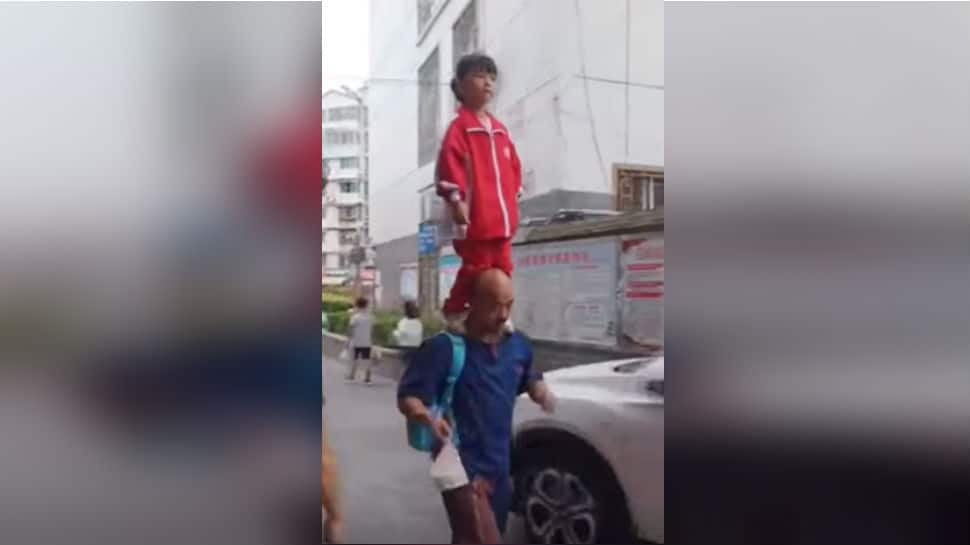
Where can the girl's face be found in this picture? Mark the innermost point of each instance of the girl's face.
(477, 88)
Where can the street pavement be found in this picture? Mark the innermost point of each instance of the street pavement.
(387, 493)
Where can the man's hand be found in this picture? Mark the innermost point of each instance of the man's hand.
(414, 409)
(441, 429)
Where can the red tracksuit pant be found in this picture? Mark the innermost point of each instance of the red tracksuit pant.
(476, 256)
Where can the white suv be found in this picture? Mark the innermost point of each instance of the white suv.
(593, 472)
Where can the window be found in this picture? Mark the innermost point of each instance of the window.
(332, 260)
(464, 34)
(639, 189)
(464, 37)
(339, 137)
(348, 187)
(349, 213)
(424, 14)
(344, 261)
(342, 113)
(657, 193)
(428, 108)
(349, 162)
(348, 238)
(427, 9)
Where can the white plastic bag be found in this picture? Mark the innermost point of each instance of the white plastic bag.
(344, 354)
(446, 470)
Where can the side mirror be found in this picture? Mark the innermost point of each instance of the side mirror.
(656, 387)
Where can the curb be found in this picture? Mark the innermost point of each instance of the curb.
(388, 362)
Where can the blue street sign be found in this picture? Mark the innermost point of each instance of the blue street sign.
(428, 239)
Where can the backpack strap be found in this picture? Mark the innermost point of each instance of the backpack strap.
(457, 365)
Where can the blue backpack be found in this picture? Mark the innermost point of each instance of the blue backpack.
(420, 436)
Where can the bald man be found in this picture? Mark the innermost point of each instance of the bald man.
(498, 367)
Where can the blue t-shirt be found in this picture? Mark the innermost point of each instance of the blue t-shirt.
(484, 395)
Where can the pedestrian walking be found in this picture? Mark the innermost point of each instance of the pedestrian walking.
(360, 334)
(470, 413)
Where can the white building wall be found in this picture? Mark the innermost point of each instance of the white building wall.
(566, 141)
(542, 48)
(396, 55)
(393, 116)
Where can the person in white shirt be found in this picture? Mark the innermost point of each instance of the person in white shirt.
(410, 330)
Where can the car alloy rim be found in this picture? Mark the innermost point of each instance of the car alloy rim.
(559, 508)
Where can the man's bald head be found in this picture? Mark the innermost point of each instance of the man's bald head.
(491, 303)
(492, 283)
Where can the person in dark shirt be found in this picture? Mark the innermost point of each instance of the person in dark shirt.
(498, 368)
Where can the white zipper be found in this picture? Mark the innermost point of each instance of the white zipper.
(498, 184)
(468, 199)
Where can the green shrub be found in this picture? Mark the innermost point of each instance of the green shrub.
(339, 321)
(432, 326)
(336, 306)
(336, 301)
(384, 325)
(331, 295)
(338, 292)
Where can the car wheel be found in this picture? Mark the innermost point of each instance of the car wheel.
(571, 500)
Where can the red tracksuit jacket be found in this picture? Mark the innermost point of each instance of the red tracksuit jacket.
(484, 168)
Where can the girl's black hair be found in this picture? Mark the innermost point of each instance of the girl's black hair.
(474, 62)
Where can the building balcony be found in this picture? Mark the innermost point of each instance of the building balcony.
(333, 151)
(351, 123)
(348, 199)
(340, 198)
(337, 174)
(342, 225)
(349, 225)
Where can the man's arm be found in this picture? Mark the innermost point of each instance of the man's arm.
(537, 391)
(420, 384)
(414, 409)
(537, 388)
(542, 396)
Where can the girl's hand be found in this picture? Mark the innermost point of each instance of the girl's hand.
(459, 212)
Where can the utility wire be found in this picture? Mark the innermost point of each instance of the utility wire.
(627, 82)
(589, 104)
(367, 79)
